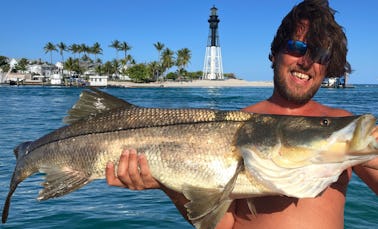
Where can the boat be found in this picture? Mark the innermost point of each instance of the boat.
(335, 82)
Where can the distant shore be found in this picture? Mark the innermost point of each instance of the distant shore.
(195, 83)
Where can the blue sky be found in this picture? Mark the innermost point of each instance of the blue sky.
(246, 30)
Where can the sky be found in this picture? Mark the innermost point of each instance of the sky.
(246, 30)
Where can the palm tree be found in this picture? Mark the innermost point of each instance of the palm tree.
(115, 44)
(83, 48)
(72, 65)
(50, 47)
(123, 46)
(74, 48)
(108, 68)
(115, 65)
(96, 49)
(183, 59)
(154, 66)
(159, 47)
(62, 48)
(167, 59)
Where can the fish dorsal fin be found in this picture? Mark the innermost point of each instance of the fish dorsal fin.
(207, 206)
(94, 102)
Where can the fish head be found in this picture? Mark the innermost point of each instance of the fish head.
(301, 156)
(298, 141)
(21, 171)
(327, 140)
(294, 141)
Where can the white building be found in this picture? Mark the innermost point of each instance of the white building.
(56, 79)
(98, 81)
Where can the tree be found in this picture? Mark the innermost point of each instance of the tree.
(108, 68)
(74, 48)
(99, 70)
(83, 48)
(155, 69)
(96, 49)
(115, 65)
(167, 59)
(123, 46)
(4, 63)
(22, 65)
(50, 47)
(139, 73)
(72, 65)
(183, 59)
(115, 44)
(159, 47)
(62, 48)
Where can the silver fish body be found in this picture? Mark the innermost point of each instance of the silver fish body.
(210, 156)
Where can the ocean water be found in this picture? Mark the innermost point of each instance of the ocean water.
(28, 112)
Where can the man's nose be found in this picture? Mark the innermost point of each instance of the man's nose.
(305, 61)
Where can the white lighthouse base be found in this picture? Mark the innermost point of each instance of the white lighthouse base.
(213, 69)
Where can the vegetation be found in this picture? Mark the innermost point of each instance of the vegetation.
(84, 58)
(4, 63)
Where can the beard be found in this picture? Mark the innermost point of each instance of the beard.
(294, 96)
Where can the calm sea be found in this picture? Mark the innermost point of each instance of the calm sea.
(28, 112)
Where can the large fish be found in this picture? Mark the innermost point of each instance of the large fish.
(211, 156)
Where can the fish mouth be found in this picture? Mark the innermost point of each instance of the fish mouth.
(363, 135)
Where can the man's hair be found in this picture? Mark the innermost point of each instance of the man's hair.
(323, 32)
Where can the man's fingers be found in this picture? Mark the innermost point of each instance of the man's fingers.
(145, 173)
(123, 168)
(134, 172)
(111, 178)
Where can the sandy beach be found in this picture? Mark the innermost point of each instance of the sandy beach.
(195, 83)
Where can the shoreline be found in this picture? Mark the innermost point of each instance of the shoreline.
(195, 83)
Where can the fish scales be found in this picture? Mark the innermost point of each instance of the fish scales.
(203, 150)
(122, 119)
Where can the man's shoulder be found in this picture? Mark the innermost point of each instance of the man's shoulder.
(312, 108)
(333, 112)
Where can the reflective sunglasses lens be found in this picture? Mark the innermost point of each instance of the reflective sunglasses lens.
(296, 48)
(323, 57)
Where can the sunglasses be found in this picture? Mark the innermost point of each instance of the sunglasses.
(299, 49)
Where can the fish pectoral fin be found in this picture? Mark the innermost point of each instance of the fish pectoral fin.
(61, 181)
(207, 206)
(94, 102)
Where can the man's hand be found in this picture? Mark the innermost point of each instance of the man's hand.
(132, 172)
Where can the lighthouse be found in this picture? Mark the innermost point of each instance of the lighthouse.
(212, 67)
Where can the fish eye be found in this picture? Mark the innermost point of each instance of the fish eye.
(325, 122)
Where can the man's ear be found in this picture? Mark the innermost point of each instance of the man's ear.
(272, 59)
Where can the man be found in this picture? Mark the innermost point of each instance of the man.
(308, 45)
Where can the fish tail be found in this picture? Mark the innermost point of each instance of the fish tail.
(18, 176)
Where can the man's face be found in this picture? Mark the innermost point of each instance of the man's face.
(297, 79)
